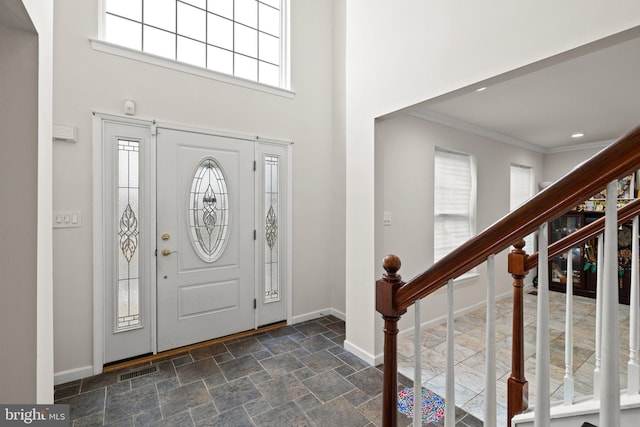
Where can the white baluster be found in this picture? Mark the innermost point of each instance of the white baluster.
(542, 417)
(568, 334)
(490, 356)
(596, 369)
(450, 401)
(610, 370)
(633, 369)
(417, 370)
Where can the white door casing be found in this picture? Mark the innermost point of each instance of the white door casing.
(204, 295)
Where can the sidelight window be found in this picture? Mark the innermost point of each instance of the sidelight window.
(271, 217)
(128, 228)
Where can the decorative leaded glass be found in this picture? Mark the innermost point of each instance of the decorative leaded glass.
(128, 286)
(271, 211)
(209, 210)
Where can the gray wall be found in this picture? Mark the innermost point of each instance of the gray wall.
(18, 228)
(558, 164)
(405, 149)
(86, 80)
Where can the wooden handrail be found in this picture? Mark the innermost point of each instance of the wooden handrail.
(625, 214)
(619, 159)
(393, 296)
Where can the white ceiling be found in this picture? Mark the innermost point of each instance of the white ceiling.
(594, 89)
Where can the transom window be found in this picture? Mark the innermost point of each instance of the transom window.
(243, 38)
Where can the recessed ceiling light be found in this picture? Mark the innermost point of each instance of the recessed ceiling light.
(577, 135)
(481, 89)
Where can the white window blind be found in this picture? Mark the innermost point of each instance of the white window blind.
(521, 190)
(454, 201)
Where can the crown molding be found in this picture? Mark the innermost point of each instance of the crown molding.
(451, 122)
(575, 147)
(442, 119)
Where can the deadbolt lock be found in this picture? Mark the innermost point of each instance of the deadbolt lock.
(165, 236)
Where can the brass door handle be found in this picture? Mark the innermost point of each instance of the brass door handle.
(167, 252)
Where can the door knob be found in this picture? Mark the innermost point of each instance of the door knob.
(167, 252)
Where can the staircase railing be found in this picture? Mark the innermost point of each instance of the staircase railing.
(393, 296)
(625, 214)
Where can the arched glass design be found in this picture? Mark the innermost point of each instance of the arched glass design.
(209, 210)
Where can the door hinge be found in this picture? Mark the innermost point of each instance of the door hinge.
(255, 165)
(155, 253)
(255, 235)
(154, 128)
(255, 303)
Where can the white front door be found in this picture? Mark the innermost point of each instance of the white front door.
(205, 237)
(191, 235)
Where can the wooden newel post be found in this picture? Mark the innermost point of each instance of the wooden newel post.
(386, 289)
(517, 386)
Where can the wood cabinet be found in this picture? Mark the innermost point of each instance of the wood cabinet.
(585, 267)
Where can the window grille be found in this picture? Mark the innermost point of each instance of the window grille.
(242, 38)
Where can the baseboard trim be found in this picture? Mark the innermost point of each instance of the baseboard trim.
(317, 314)
(87, 371)
(461, 312)
(72, 374)
(364, 355)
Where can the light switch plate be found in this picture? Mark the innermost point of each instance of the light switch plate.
(387, 218)
(67, 219)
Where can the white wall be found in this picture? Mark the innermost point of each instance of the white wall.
(338, 162)
(401, 54)
(88, 80)
(41, 15)
(26, 360)
(18, 231)
(557, 164)
(407, 145)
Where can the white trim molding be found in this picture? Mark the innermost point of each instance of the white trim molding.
(73, 374)
(461, 125)
(114, 49)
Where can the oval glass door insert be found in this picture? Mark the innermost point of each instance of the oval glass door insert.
(209, 210)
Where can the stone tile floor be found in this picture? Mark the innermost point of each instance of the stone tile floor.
(469, 348)
(293, 376)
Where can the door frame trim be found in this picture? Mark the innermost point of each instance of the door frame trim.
(98, 232)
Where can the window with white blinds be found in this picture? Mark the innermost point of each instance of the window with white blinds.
(521, 190)
(454, 201)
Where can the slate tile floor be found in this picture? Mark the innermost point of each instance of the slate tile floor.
(469, 331)
(293, 376)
